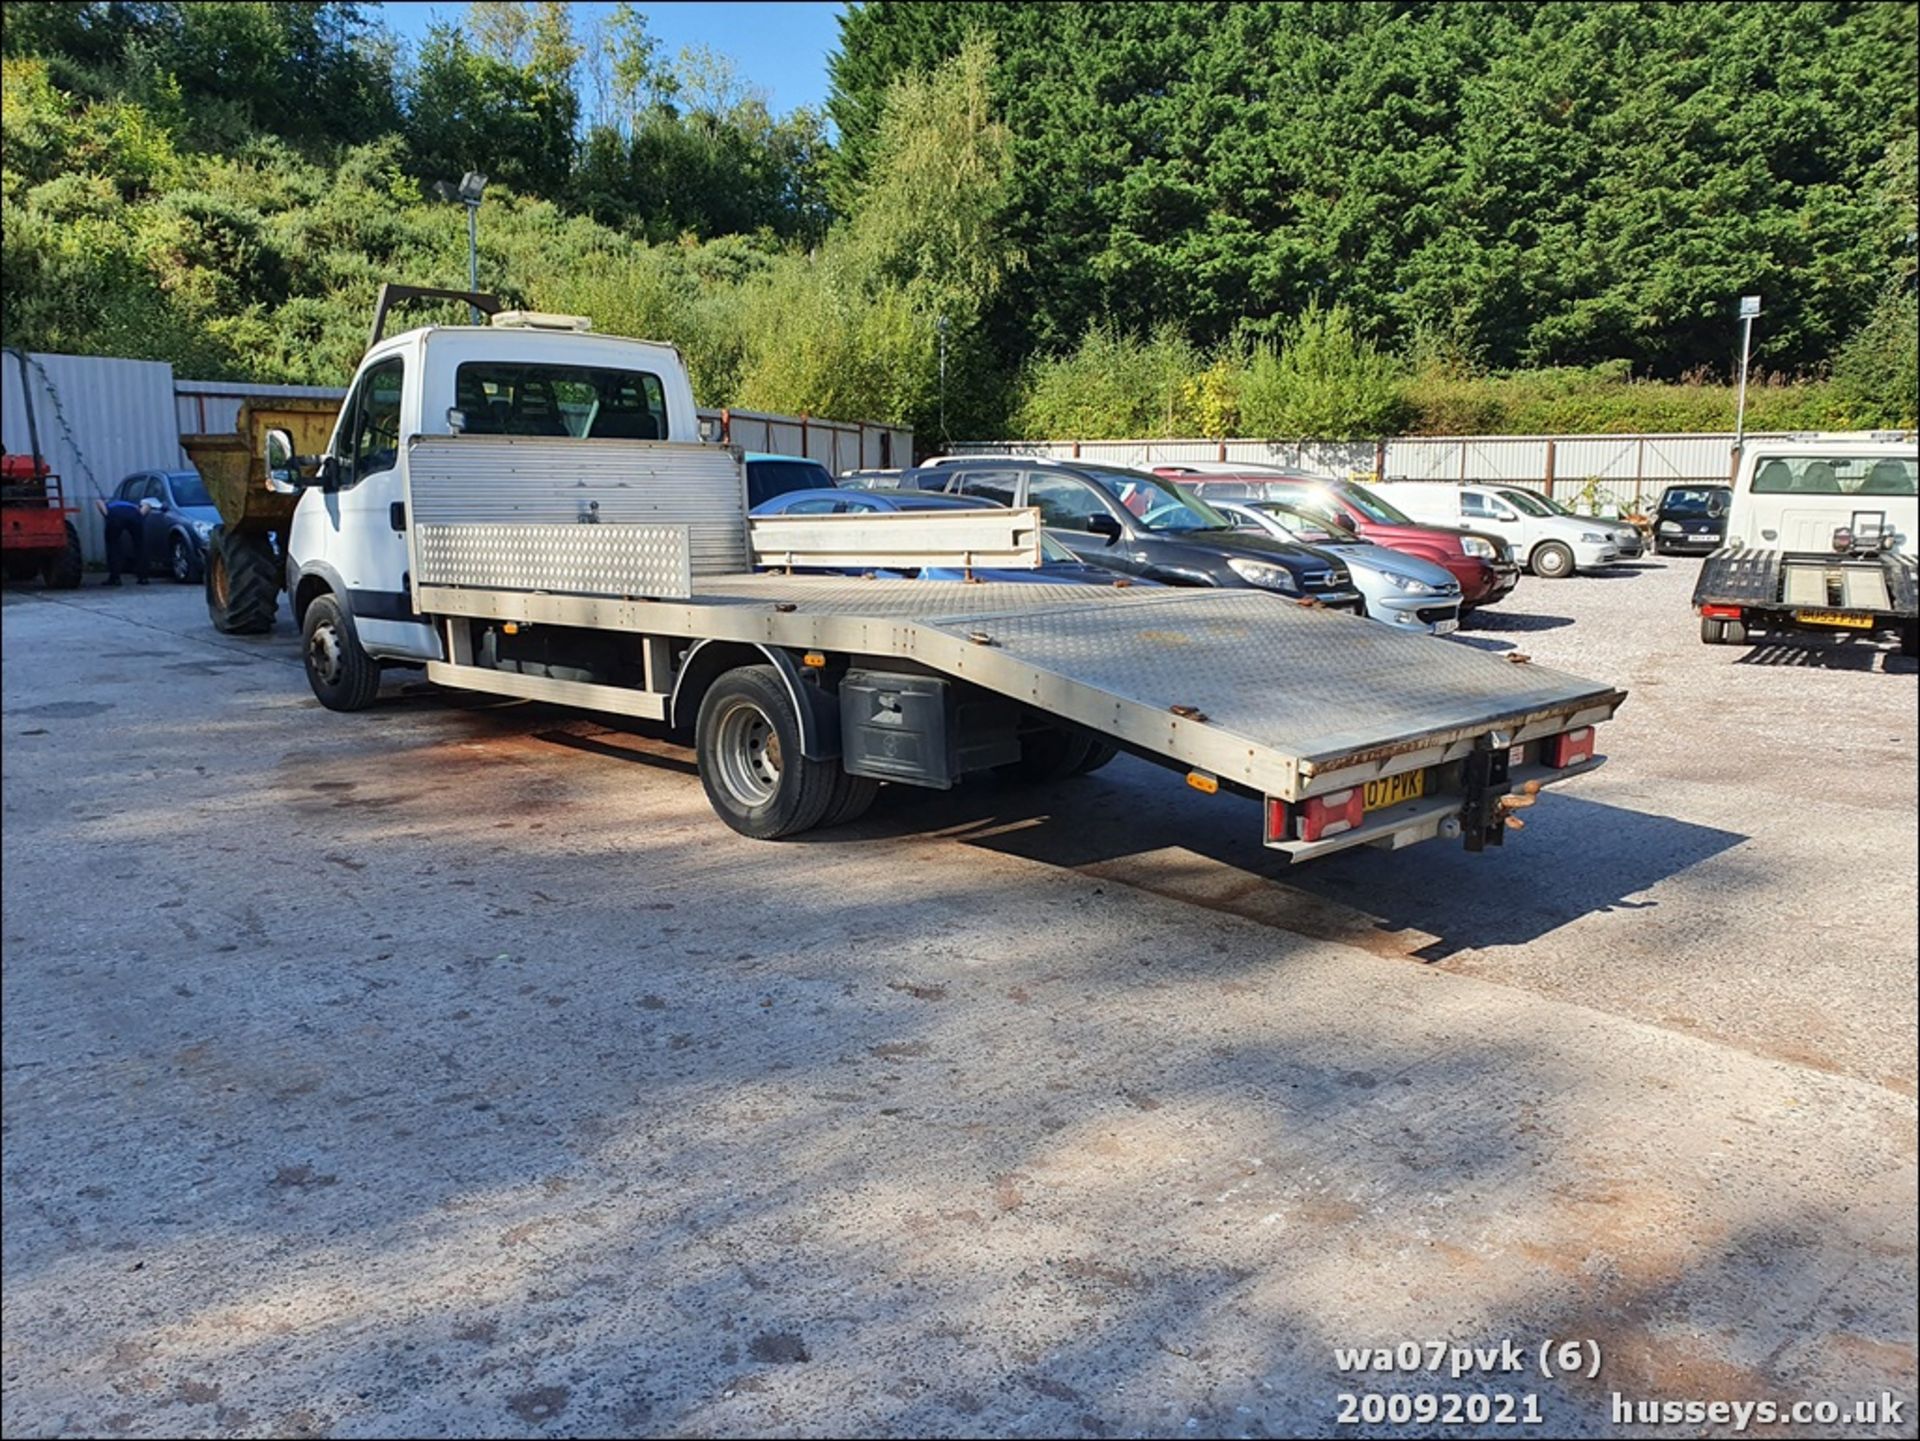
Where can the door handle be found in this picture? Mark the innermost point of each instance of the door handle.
(397, 515)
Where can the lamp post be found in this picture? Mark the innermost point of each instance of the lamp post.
(940, 328)
(467, 192)
(1749, 309)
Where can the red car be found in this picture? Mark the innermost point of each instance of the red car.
(1482, 564)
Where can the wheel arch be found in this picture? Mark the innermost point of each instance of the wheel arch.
(315, 580)
(707, 660)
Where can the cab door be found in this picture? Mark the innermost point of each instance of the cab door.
(354, 534)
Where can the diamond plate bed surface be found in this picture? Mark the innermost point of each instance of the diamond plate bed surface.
(1303, 681)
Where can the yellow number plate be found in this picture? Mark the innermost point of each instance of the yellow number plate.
(1409, 786)
(1828, 617)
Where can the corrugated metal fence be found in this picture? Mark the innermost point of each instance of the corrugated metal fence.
(840, 445)
(1598, 471)
(101, 419)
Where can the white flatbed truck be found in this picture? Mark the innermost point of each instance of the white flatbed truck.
(523, 508)
(1821, 537)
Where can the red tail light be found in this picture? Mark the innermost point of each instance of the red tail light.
(1277, 819)
(1569, 748)
(1720, 612)
(1329, 815)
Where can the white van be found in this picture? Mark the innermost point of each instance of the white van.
(1552, 546)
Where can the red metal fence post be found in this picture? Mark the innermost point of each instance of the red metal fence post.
(1379, 461)
(1551, 446)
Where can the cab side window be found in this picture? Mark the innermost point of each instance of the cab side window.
(1477, 506)
(369, 442)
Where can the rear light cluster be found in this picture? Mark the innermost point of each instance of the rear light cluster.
(1570, 748)
(1720, 612)
(1331, 814)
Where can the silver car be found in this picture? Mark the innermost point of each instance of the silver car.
(1399, 590)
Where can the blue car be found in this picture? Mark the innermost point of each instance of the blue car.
(1058, 566)
(175, 517)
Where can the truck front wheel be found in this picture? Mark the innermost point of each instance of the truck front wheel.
(342, 674)
(747, 742)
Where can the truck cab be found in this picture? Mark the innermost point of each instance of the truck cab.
(534, 376)
(1797, 495)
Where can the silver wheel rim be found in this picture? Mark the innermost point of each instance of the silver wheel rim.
(1552, 563)
(181, 565)
(747, 752)
(323, 653)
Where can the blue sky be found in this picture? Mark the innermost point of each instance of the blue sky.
(781, 48)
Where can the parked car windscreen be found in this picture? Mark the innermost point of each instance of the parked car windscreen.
(1374, 508)
(1157, 504)
(1708, 500)
(768, 478)
(187, 490)
(1529, 502)
(1312, 529)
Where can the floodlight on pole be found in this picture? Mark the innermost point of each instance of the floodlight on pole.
(468, 193)
(1749, 310)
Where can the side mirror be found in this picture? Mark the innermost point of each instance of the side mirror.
(283, 466)
(1100, 523)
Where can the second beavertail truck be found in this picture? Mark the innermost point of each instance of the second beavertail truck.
(525, 509)
(1820, 537)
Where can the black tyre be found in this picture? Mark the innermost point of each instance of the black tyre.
(852, 798)
(747, 742)
(64, 570)
(243, 583)
(1047, 756)
(1551, 561)
(182, 564)
(1098, 754)
(1712, 632)
(1734, 633)
(342, 674)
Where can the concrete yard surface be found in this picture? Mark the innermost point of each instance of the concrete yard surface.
(448, 1069)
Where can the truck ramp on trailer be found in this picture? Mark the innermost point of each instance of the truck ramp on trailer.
(1278, 698)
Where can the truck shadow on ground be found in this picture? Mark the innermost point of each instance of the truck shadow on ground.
(1844, 653)
(1131, 825)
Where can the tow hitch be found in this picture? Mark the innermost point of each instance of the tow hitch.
(1483, 819)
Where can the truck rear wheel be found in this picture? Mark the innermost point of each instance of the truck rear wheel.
(63, 570)
(243, 582)
(1098, 754)
(853, 797)
(343, 676)
(747, 742)
(1551, 561)
(1049, 755)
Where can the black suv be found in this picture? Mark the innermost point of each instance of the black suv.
(1142, 525)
